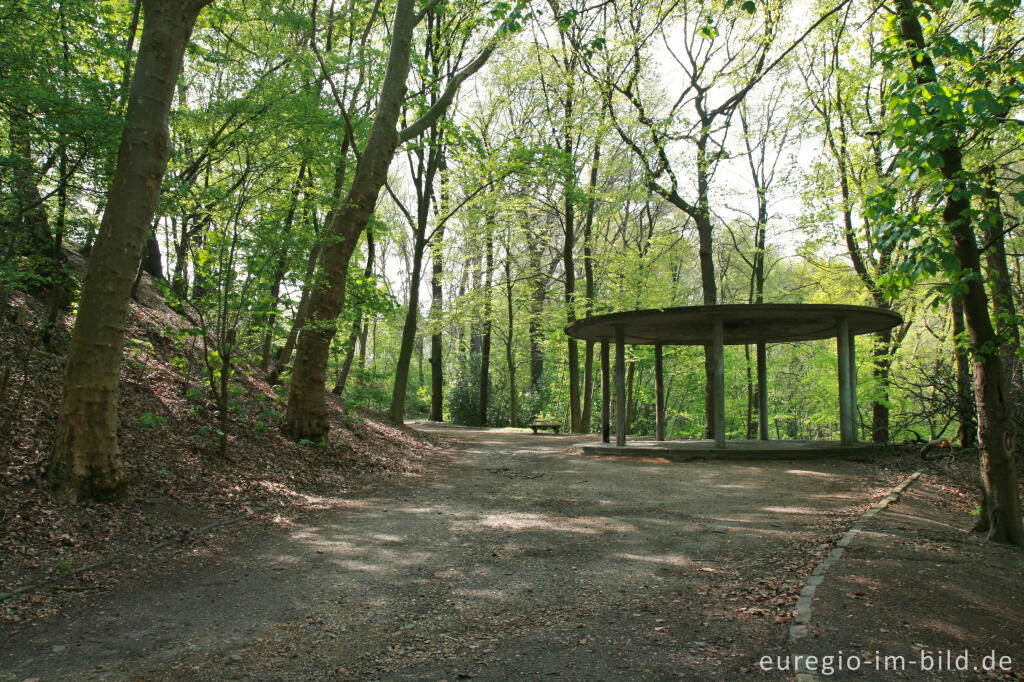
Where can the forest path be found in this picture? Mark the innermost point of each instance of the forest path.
(513, 560)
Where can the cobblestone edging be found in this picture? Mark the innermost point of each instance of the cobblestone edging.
(798, 630)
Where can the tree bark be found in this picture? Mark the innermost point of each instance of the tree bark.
(513, 394)
(85, 462)
(538, 295)
(397, 410)
(569, 266)
(881, 359)
(1007, 321)
(306, 414)
(588, 283)
(485, 326)
(966, 412)
(436, 346)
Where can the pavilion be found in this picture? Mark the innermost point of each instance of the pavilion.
(716, 326)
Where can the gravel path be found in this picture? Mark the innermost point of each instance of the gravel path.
(514, 560)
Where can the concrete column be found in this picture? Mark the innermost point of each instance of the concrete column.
(762, 390)
(659, 395)
(853, 387)
(718, 385)
(620, 385)
(606, 395)
(843, 359)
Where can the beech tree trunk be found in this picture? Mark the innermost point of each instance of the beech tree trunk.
(397, 411)
(306, 414)
(881, 360)
(588, 284)
(537, 297)
(1007, 321)
(967, 431)
(513, 394)
(436, 347)
(569, 267)
(85, 462)
(485, 327)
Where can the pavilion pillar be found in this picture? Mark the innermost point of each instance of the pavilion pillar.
(606, 395)
(659, 395)
(844, 362)
(762, 390)
(852, 352)
(620, 385)
(718, 383)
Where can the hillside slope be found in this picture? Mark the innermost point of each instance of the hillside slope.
(178, 482)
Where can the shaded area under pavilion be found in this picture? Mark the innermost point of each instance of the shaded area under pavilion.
(714, 327)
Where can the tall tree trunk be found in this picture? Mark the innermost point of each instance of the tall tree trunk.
(436, 314)
(397, 410)
(1007, 321)
(575, 415)
(306, 413)
(513, 394)
(881, 360)
(85, 462)
(485, 326)
(588, 283)
(709, 287)
(966, 412)
(429, 161)
(358, 326)
(537, 297)
(1000, 514)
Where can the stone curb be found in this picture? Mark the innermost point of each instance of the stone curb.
(798, 630)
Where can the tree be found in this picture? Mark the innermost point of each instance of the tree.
(936, 112)
(848, 98)
(306, 414)
(445, 44)
(85, 462)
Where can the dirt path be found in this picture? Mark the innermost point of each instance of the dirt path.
(514, 560)
(916, 597)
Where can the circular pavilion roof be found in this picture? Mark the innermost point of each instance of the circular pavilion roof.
(741, 323)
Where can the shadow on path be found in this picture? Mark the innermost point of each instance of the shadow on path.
(515, 559)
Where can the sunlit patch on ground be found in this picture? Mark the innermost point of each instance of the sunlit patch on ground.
(519, 521)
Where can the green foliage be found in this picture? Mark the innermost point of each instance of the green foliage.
(151, 422)
(963, 86)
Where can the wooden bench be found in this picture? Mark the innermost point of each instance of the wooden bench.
(552, 424)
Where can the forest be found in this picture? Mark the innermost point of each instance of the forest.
(404, 203)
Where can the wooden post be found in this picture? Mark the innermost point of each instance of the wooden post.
(606, 395)
(762, 390)
(620, 385)
(718, 385)
(659, 395)
(843, 359)
(853, 388)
